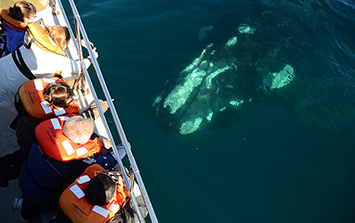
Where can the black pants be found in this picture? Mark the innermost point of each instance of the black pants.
(11, 159)
(31, 210)
(11, 164)
(25, 139)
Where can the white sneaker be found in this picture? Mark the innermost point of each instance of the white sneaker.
(17, 204)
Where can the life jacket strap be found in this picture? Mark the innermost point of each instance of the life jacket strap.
(46, 46)
(19, 106)
(21, 65)
(3, 39)
(7, 52)
(28, 45)
(23, 112)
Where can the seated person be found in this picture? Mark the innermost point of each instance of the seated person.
(41, 56)
(36, 100)
(65, 147)
(97, 196)
(45, 98)
(14, 21)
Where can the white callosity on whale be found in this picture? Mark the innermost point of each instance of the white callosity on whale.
(181, 93)
(200, 71)
(232, 41)
(278, 80)
(189, 127)
(246, 29)
(214, 74)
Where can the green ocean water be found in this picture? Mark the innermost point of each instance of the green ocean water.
(288, 159)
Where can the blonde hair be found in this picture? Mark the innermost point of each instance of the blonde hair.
(59, 34)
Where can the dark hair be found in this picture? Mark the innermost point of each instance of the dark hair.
(100, 190)
(22, 10)
(58, 94)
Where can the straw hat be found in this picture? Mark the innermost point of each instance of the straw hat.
(40, 4)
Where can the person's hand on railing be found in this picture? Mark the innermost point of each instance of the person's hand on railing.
(96, 54)
(129, 145)
(107, 143)
(93, 48)
(91, 61)
(116, 175)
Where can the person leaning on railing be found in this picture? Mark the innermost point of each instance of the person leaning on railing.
(14, 21)
(42, 55)
(36, 100)
(65, 147)
(98, 196)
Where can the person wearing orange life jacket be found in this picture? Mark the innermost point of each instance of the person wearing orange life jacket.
(92, 198)
(95, 196)
(42, 55)
(36, 100)
(45, 98)
(14, 21)
(65, 147)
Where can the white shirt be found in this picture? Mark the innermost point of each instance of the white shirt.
(41, 63)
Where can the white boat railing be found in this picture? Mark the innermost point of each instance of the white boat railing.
(80, 30)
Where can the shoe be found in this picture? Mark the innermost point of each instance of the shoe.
(17, 205)
(3, 182)
(11, 129)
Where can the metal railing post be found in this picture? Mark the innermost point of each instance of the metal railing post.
(80, 29)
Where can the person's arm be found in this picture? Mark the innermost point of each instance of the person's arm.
(107, 161)
(128, 214)
(88, 61)
(123, 216)
(106, 143)
(69, 66)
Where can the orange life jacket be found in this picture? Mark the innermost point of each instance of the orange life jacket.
(31, 96)
(41, 38)
(75, 206)
(7, 20)
(56, 145)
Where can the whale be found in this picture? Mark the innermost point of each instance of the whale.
(224, 81)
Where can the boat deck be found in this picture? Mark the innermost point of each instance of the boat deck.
(9, 144)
